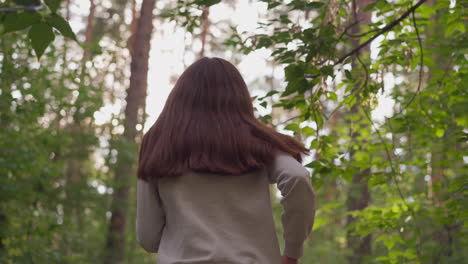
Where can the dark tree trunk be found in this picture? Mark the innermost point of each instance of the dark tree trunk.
(79, 151)
(133, 27)
(440, 146)
(358, 196)
(136, 94)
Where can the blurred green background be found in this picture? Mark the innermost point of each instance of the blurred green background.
(376, 89)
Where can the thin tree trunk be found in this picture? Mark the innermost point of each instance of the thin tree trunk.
(136, 94)
(437, 166)
(358, 196)
(89, 32)
(205, 25)
(437, 153)
(72, 168)
(133, 27)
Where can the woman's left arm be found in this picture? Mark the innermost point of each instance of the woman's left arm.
(150, 217)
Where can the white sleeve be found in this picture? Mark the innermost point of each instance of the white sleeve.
(150, 216)
(294, 182)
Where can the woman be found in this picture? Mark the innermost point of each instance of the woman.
(204, 172)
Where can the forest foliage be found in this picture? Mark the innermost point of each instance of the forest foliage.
(390, 188)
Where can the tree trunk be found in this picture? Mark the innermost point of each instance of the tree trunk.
(358, 196)
(205, 24)
(136, 94)
(7, 77)
(440, 146)
(133, 27)
(72, 173)
(89, 32)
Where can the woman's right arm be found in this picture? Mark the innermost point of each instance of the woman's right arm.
(294, 182)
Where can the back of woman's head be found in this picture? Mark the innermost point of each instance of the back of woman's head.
(208, 125)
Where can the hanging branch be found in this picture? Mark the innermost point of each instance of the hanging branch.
(364, 44)
(394, 172)
(361, 34)
(348, 27)
(383, 30)
(25, 8)
(421, 63)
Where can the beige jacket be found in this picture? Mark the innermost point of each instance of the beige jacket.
(217, 219)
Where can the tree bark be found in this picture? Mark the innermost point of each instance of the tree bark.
(89, 32)
(136, 94)
(205, 25)
(437, 185)
(74, 161)
(133, 27)
(358, 196)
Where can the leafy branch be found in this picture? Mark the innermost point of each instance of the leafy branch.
(420, 62)
(42, 26)
(385, 29)
(394, 172)
(382, 31)
(24, 8)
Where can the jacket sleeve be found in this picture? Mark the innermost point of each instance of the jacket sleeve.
(150, 217)
(294, 182)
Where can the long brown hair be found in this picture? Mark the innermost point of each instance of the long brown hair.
(208, 125)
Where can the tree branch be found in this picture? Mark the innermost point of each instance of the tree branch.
(383, 30)
(25, 8)
(421, 63)
(361, 34)
(380, 32)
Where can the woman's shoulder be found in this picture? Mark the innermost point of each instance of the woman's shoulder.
(284, 162)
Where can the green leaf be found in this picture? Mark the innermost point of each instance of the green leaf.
(314, 144)
(327, 70)
(206, 2)
(315, 5)
(292, 127)
(264, 42)
(410, 253)
(369, 7)
(314, 164)
(320, 221)
(27, 2)
(308, 131)
(453, 26)
(461, 26)
(381, 237)
(440, 132)
(389, 243)
(273, 5)
(20, 21)
(350, 100)
(426, 11)
(269, 94)
(348, 74)
(41, 36)
(332, 96)
(362, 156)
(53, 4)
(61, 25)
(284, 19)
